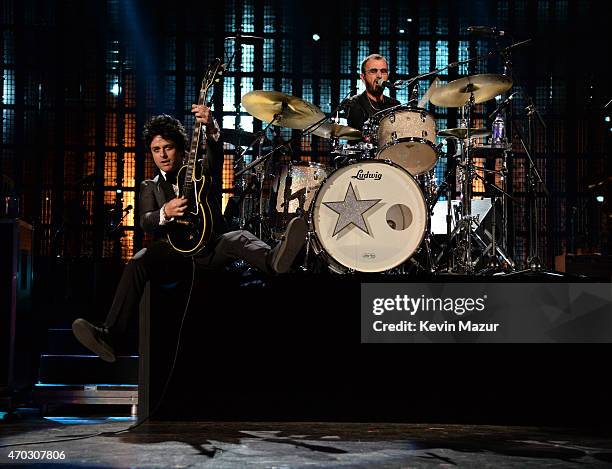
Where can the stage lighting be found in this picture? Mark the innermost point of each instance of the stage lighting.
(401, 31)
(409, 20)
(600, 199)
(316, 37)
(115, 89)
(607, 118)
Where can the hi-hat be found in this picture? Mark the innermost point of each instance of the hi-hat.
(333, 130)
(461, 132)
(457, 93)
(295, 113)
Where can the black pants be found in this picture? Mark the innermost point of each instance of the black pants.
(164, 266)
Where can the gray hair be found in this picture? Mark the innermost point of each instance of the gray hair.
(371, 57)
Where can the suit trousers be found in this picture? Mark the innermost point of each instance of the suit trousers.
(164, 266)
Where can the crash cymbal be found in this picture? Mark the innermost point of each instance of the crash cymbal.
(457, 93)
(296, 113)
(344, 132)
(461, 132)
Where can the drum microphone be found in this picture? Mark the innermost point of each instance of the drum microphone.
(485, 31)
(502, 105)
(387, 84)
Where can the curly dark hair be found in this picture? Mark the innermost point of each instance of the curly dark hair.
(166, 126)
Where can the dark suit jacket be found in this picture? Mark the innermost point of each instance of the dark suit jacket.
(156, 192)
(359, 109)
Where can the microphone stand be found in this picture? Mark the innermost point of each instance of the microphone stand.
(534, 262)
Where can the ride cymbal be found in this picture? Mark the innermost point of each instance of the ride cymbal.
(295, 113)
(457, 93)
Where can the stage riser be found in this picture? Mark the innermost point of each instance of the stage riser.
(62, 369)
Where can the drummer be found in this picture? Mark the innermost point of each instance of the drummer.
(362, 106)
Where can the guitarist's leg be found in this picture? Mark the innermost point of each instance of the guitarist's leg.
(159, 263)
(242, 245)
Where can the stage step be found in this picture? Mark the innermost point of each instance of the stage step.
(49, 395)
(63, 342)
(87, 369)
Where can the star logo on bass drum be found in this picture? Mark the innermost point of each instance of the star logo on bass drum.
(350, 211)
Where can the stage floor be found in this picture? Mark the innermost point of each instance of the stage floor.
(297, 444)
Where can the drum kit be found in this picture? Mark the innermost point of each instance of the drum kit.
(374, 211)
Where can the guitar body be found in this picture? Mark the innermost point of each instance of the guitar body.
(190, 233)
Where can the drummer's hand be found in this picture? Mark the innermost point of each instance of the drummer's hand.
(202, 113)
(175, 207)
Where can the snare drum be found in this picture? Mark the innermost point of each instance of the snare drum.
(407, 136)
(369, 216)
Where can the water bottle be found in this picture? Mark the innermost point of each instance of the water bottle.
(499, 130)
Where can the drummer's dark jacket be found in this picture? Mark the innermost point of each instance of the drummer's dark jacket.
(154, 193)
(359, 109)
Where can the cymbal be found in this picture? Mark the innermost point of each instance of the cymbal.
(344, 132)
(296, 113)
(461, 132)
(457, 93)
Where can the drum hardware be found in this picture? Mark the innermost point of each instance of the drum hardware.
(425, 99)
(534, 262)
(453, 94)
(239, 137)
(259, 174)
(493, 265)
(350, 153)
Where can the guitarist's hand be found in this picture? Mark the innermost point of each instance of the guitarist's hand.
(176, 207)
(202, 113)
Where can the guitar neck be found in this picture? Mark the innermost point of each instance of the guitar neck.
(196, 138)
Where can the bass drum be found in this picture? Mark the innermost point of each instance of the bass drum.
(369, 216)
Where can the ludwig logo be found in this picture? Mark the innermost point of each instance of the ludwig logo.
(361, 175)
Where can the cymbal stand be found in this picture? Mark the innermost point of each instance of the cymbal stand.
(534, 178)
(466, 263)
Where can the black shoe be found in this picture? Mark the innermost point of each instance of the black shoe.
(285, 252)
(94, 338)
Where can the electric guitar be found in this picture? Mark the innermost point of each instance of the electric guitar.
(190, 233)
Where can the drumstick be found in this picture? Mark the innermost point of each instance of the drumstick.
(425, 99)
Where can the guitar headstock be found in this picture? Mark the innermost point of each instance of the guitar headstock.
(213, 73)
